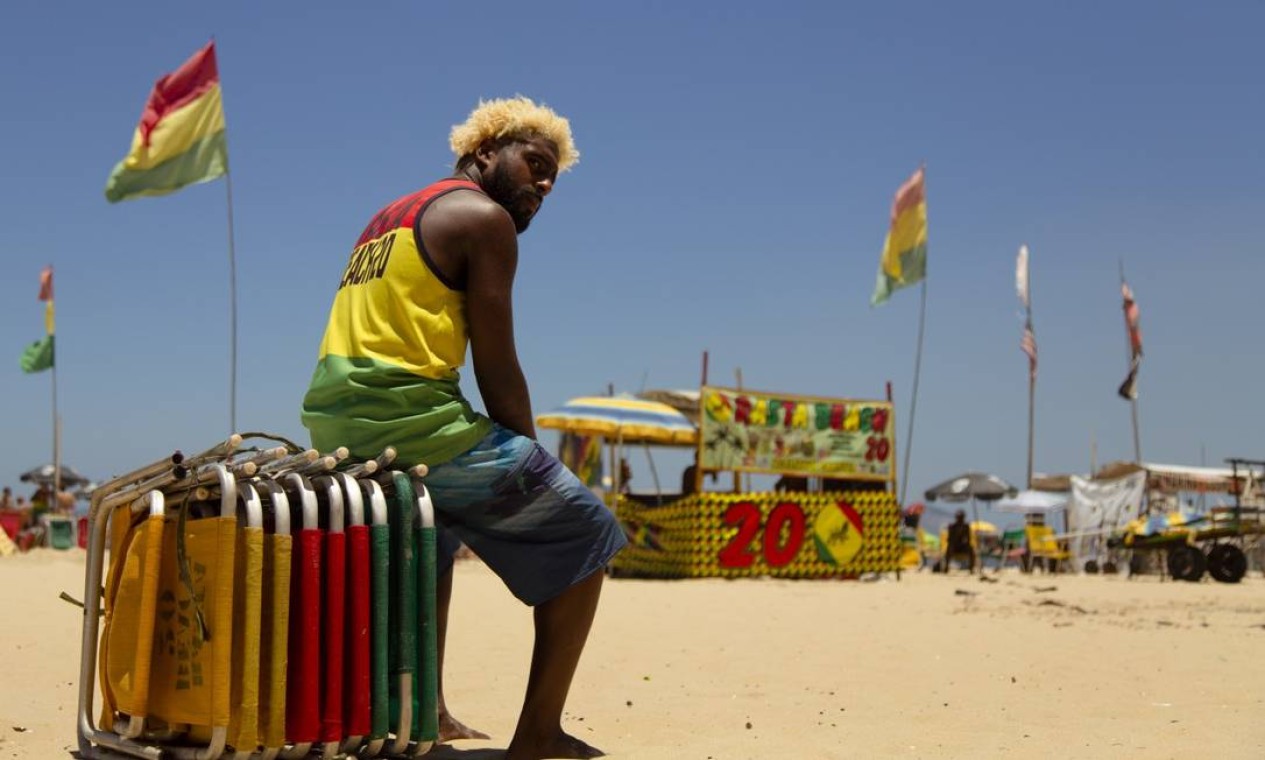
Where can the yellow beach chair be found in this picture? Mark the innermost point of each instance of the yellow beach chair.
(123, 503)
(131, 599)
(191, 678)
(1042, 545)
(243, 727)
(275, 625)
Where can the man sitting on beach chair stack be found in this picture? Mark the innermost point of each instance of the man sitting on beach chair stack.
(432, 271)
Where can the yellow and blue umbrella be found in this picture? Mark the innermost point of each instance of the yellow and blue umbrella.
(620, 418)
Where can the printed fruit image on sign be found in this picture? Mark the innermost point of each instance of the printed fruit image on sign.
(838, 533)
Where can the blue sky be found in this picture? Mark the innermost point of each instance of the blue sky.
(738, 165)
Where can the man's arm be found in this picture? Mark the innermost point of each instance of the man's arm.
(491, 261)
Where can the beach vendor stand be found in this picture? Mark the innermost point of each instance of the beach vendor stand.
(848, 525)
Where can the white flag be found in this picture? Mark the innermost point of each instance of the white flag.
(1021, 275)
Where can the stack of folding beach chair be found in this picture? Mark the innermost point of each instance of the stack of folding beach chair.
(267, 602)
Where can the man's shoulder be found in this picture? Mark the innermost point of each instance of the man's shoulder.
(466, 211)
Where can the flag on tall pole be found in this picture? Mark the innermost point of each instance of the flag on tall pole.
(1027, 344)
(1021, 276)
(41, 355)
(904, 259)
(1128, 389)
(180, 139)
(903, 263)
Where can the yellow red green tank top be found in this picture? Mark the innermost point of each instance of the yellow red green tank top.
(387, 374)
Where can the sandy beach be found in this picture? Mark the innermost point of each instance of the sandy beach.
(925, 667)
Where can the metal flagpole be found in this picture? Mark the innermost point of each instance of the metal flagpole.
(56, 432)
(913, 402)
(232, 291)
(1133, 398)
(232, 301)
(1032, 390)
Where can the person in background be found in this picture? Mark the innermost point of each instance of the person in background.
(958, 544)
(689, 477)
(41, 501)
(791, 483)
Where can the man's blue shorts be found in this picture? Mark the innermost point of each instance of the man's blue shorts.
(524, 513)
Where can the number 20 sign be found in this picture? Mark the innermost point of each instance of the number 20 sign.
(836, 530)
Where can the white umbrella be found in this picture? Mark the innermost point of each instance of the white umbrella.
(1031, 502)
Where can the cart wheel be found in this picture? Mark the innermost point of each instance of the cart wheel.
(1186, 563)
(1109, 568)
(1091, 567)
(1227, 563)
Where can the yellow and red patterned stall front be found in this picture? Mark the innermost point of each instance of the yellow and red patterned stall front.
(785, 535)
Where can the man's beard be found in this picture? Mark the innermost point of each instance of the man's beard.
(515, 200)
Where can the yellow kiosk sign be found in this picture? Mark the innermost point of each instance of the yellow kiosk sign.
(784, 535)
(749, 431)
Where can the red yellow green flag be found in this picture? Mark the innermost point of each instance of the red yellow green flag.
(41, 354)
(904, 260)
(180, 139)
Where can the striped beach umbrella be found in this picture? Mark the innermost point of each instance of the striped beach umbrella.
(622, 418)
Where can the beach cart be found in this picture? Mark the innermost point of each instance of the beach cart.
(1190, 545)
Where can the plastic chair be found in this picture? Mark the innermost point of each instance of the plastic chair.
(1013, 549)
(11, 522)
(61, 532)
(1044, 546)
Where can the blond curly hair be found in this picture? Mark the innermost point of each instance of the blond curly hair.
(514, 117)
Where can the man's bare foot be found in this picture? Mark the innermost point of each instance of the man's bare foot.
(452, 729)
(561, 746)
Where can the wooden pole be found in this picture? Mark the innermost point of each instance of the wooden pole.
(698, 470)
(738, 475)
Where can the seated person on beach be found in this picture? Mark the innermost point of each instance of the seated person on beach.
(689, 477)
(791, 483)
(958, 542)
(432, 275)
(843, 484)
(65, 504)
(31, 531)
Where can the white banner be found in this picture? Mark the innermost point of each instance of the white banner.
(1098, 509)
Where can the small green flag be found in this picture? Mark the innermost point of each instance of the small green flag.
(38, 356)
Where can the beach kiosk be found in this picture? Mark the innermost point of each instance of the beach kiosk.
(848, 524)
